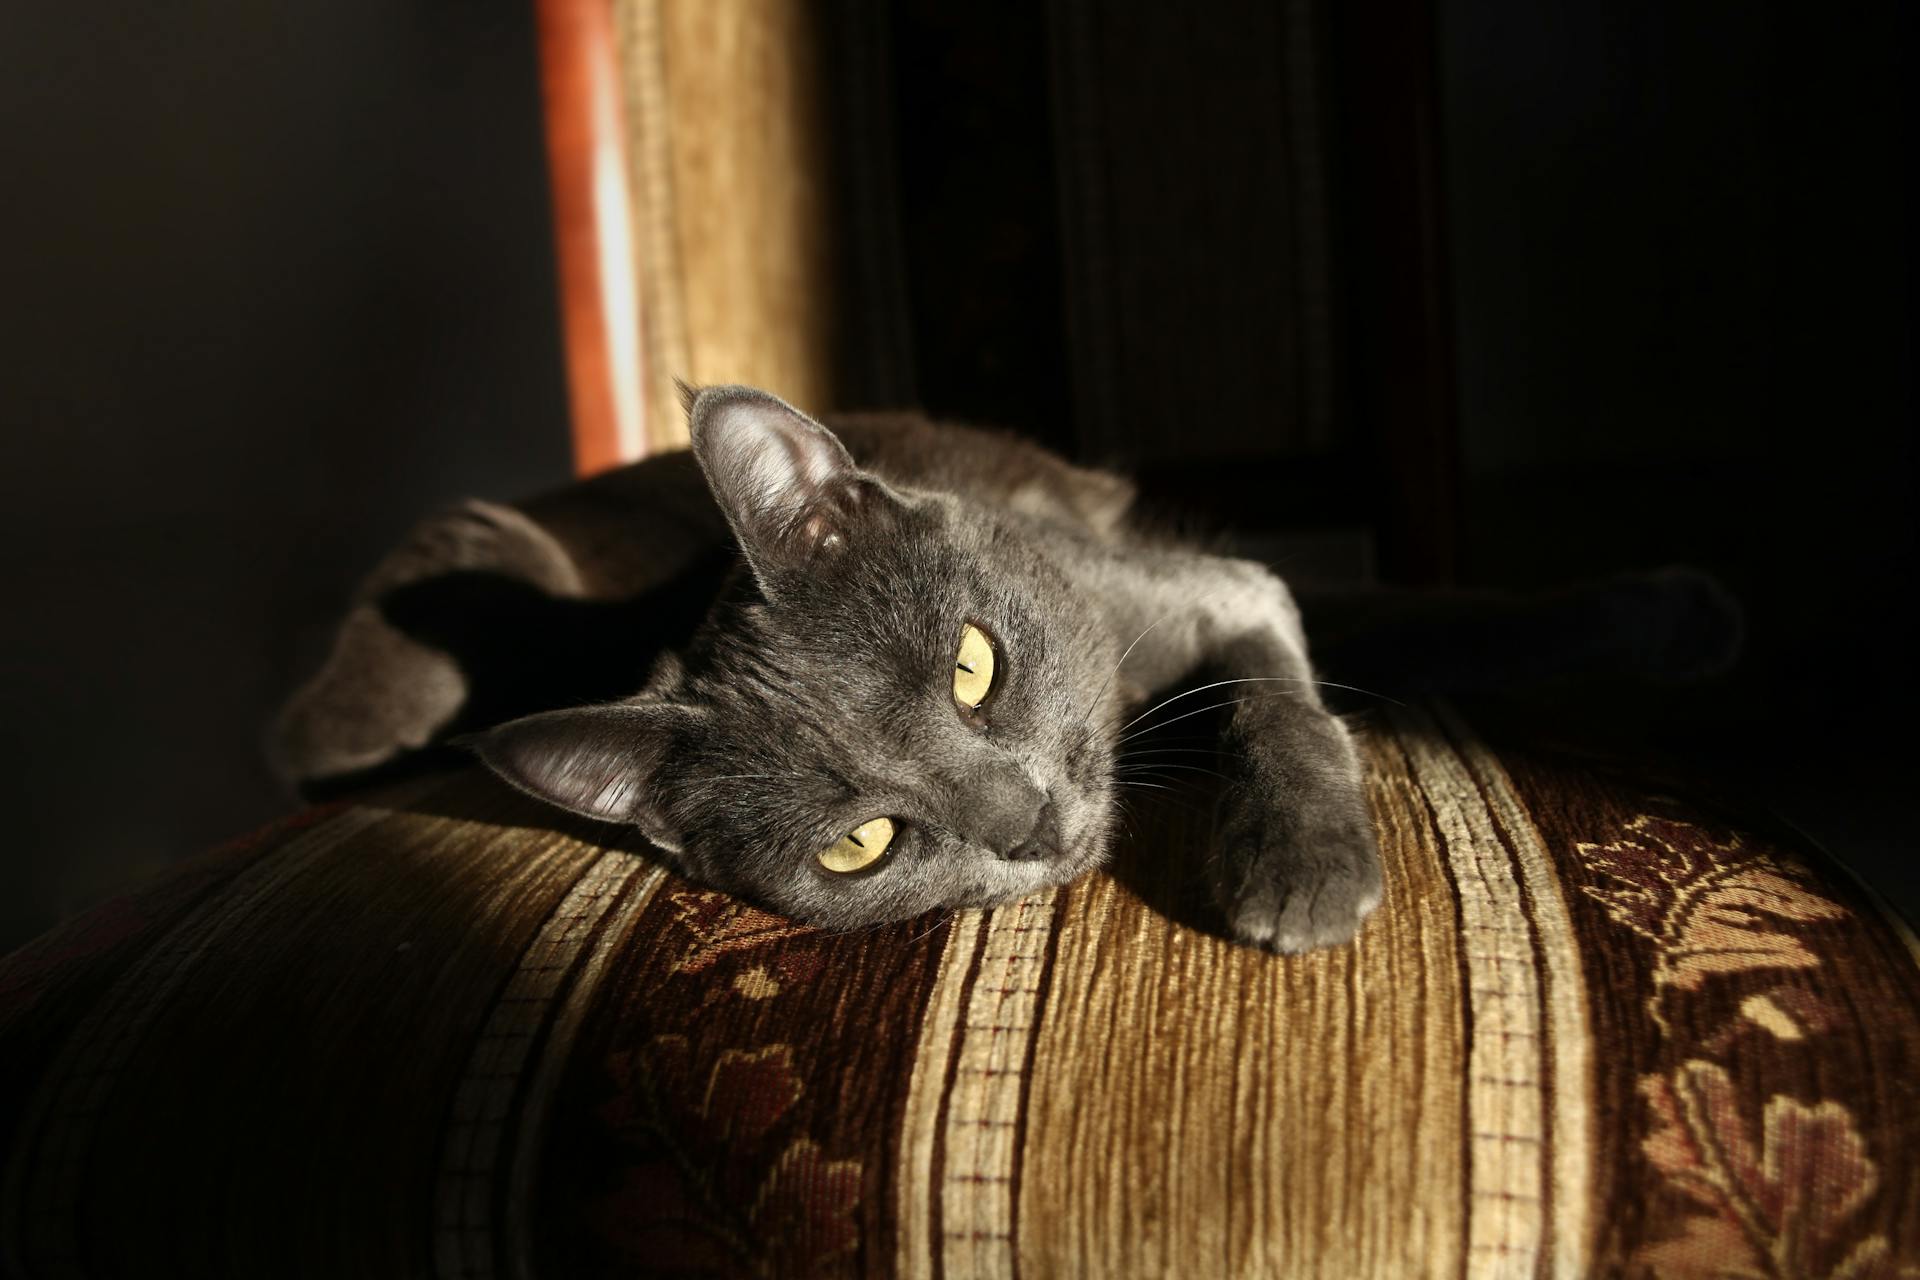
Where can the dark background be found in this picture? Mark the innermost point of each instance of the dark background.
(275, 279)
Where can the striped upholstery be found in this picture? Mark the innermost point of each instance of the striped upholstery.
(1594, 1030)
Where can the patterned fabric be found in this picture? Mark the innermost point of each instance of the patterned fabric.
(1594, 1030)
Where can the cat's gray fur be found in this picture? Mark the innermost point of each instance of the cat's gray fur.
(815, 693)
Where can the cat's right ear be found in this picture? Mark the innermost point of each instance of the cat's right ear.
(788, 486)
(603, 762)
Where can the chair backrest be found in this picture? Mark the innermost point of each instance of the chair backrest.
(696, 250)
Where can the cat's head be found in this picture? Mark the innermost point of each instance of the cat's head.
(904, 704)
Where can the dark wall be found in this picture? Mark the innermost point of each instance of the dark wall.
(273, 280)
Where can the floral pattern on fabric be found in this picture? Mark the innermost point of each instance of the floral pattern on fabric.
(1708, 907)
(1775, 1190)
(718, 926)
(1777, 1200)
(718, 1174)
(687, 1201)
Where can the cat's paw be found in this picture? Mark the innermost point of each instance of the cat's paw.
(1290, 880)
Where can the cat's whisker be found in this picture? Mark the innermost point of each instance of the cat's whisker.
(1180, 798)
(1218, 684)
(941, 916)
(1185, 768)
(1195, 736)
(1232, 702)
(1143, 773)
(1107, 684)
(1128, 653)
(1179, 801)
(1148, 752)
(1177, 795)
(1354, 688)
(1114, 723)
(1154, 728)
(1151, 762)
(1093, 703)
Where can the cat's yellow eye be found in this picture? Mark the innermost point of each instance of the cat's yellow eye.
(860, 848)
(972, 668)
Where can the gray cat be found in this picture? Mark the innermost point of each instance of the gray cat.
(905, 691)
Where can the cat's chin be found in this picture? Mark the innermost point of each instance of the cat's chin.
(1031, 878)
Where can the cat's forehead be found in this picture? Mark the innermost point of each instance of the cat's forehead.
(858, 662)
(905, 594)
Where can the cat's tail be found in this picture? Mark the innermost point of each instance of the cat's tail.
(1675, 626)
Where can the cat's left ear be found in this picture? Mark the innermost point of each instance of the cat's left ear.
(604, 762)
(789, 488)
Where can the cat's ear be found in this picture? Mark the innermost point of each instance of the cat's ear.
(603, 762)
(788, 487)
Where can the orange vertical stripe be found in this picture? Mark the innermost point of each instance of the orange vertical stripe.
(599, 280)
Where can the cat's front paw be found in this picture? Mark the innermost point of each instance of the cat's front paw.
(1293, 877)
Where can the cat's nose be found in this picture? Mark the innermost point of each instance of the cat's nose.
(1042, 842)
(1004, 810)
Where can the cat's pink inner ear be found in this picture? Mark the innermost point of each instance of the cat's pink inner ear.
(597, 761)
(787, 485)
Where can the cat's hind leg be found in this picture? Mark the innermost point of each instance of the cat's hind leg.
(383, 692)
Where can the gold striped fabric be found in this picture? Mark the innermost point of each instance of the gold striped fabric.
(1594, 1029)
